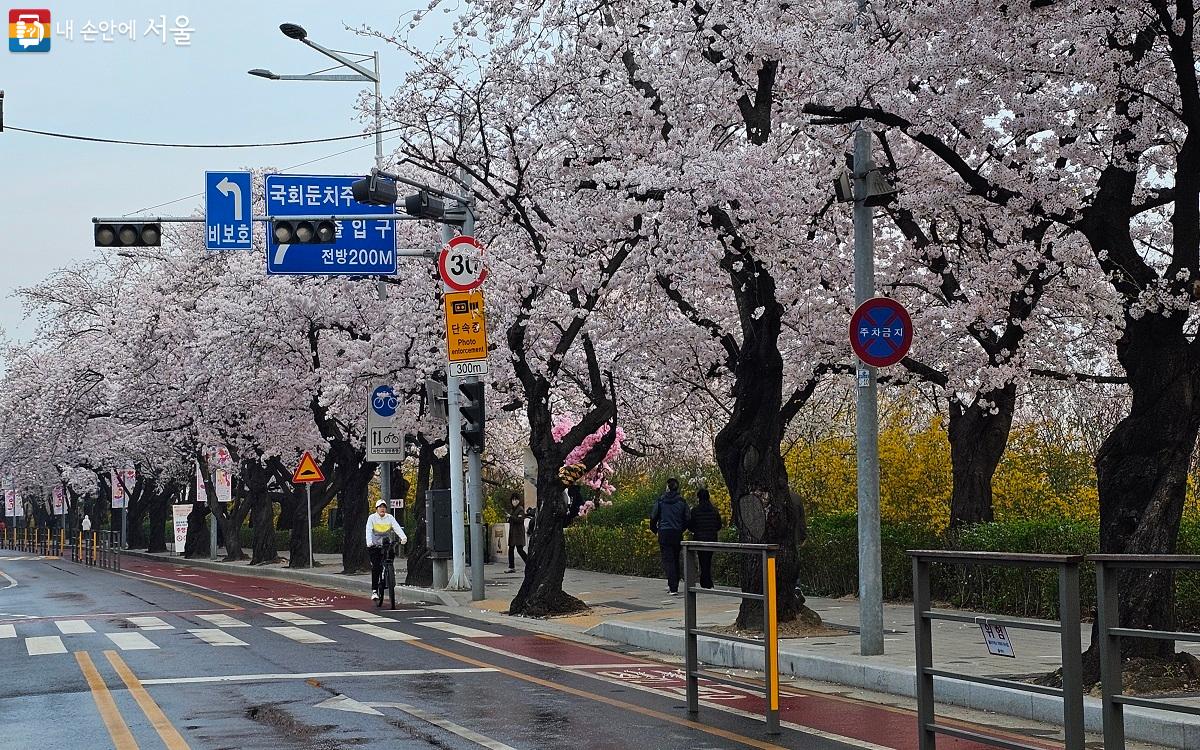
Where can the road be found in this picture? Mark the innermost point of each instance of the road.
(161, 655)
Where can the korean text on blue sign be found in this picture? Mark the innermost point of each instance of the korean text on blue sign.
(360, 247)
(227, 211)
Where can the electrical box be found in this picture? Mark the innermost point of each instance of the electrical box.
(438, 534)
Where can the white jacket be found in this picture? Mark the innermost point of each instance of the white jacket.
(377, 529)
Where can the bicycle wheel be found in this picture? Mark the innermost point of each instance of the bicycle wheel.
(381, 586)
(391, 584)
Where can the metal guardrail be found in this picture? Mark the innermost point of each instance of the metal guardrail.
(98, 548)
(1113, 699)
(1071, 692)
(770, 642)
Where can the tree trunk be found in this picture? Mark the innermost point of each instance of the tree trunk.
(353, 509)
(541, 593)
(196, 545)
(1141, 471)
(977, 442)
(298, 544)
(158, 508)
(262, 518)
(420, 567)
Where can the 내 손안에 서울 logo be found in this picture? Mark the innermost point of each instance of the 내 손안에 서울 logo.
(29, 30)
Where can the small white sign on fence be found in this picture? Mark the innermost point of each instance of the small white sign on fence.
(179, 519)
(996, 638)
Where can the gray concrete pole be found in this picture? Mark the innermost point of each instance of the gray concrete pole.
(870, 568)
(475, 495)
(458, 569)
(378, 129)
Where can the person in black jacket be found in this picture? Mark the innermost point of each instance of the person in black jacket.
(704, 524)
(669, 519)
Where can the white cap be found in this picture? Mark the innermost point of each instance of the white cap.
(381, 502)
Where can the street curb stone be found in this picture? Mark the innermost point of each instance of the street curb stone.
(1168, 730)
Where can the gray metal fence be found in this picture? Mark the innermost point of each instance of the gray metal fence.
(770, 641)
(1071, 692)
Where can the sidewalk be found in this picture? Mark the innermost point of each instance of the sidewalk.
(638, 612)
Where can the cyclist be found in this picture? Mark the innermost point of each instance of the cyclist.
(380, 525)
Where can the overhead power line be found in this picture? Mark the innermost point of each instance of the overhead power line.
(93, 139)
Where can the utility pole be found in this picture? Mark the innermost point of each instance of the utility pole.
(866, 412)
(458, 569)
(474, 461)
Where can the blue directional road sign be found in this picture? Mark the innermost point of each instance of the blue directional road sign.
(227, 211)
(362, 247)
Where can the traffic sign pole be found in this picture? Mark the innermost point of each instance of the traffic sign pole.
(308, 504)
(474, 463)
(458, 571)
(866, 412)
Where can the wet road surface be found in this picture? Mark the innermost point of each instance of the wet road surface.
(169, 656)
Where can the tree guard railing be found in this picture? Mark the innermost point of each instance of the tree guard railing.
(1067, 626)
(770, 641)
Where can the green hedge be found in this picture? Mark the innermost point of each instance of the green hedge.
(829, 562)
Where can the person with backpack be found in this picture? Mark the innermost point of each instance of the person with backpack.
(705, 523)
(669, 519)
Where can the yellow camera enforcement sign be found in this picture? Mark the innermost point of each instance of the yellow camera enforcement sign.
(466, 333)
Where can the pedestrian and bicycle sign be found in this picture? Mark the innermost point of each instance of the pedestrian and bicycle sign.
(466, 333)
(359, 247)
(308, 471)
(227, 211)
(460, 264)
(385, 438)
(880, 332)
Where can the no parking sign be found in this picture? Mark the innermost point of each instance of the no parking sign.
(880, 332)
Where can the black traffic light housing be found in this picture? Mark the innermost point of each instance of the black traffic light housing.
(128, 235)
(424, 206)
(375, 191)
(303, 232)
(471, 407)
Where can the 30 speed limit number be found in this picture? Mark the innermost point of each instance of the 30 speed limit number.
(460, 264)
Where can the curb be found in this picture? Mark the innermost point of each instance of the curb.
(1140, 724)
(335, 581)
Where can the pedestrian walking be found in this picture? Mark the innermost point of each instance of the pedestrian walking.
(704, 523)
(516, 531)
(86, 524)
(669, 519)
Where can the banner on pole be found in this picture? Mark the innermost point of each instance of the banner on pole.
(179, 520)
(120, 479)
(59, 500)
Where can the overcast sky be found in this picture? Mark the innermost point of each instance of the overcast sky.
(143, 89)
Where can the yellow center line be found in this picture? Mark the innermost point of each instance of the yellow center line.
(166, 730)
(716, 731)
(118, 730)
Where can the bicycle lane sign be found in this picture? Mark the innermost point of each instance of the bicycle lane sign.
(385, 438)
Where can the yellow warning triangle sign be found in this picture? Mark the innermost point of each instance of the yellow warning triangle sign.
(307, 471)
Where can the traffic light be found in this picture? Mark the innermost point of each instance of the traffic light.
(128, 235)
(424, 206)
(303, 232)
(473, 416)
(375, 191)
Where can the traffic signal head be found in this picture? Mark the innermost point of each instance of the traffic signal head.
(424, 206)
(374, 191)
(128, 235)
(303, 232)
(471, 408)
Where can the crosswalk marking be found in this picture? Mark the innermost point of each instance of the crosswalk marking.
(8, 631)
(44, 644)
(378, 632)
(73, 627)
(223, 621)
(300, 635)
(149, 623)
(131, 641)
(216, 637)
(294, 618)
(462, 630)
(358, 614)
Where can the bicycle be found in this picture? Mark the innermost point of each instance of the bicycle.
(387, 577)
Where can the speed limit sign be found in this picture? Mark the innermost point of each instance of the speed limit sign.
(461, 264)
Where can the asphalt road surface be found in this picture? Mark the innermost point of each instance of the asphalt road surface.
(168, 656)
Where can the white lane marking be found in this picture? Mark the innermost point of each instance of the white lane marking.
(44, 644)
(11, 581)
(449, 726)
(223, 621)
(861, 744)
(311, 675)
(294, 618)
(8, 631)
(73, 627)
(462, 630)
(358, 614)
(215, 637)
(344, 703)
(132, 641)
(149, 623)
(378, 632)
(300, 635)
